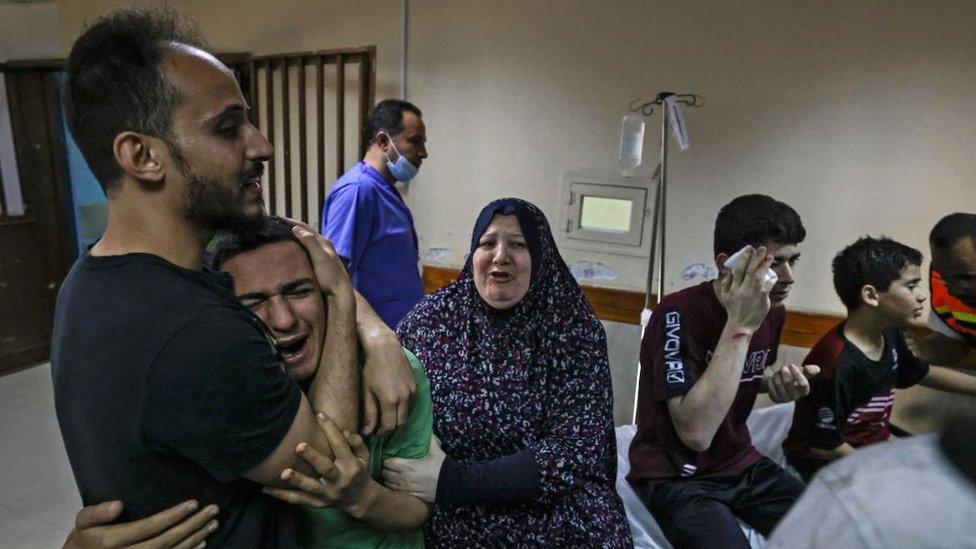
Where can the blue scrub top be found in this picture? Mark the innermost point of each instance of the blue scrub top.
(371, 228)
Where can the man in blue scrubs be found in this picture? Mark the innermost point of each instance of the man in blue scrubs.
(367, 220)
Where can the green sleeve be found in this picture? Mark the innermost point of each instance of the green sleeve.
(412, 439)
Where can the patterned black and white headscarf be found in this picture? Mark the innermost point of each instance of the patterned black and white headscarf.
(534, 377)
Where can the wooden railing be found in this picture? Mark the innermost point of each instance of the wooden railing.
(313, 76)
(801, 330)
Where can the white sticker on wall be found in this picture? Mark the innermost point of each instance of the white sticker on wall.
(698, 270)
(437, 254)
(592, 270)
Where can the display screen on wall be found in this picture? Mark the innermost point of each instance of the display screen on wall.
(599, 213)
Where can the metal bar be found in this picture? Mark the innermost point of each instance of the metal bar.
(404, 12)
(664, 198)
(660, 212)
(302, 151)
(254, 100)
(365, 105)
(340, 52)
(286, 133)
(269, 81)
(648, 298)
(320, 133)
(340, 116)
(3, 193)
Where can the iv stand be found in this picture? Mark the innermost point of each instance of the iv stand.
(660, 216)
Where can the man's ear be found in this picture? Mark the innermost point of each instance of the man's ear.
(720, 260)
(138, 155)
(869, 295)
(382, 139)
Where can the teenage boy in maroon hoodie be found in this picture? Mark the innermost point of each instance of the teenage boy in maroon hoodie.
(705, 356)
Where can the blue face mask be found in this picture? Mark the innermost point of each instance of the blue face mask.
(402, 169)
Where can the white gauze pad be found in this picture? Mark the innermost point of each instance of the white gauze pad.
(740, 255)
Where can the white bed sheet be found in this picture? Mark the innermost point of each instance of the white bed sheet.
(768, 428)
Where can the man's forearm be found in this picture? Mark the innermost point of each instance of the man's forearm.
(368, 324)
(945, 379)
(945, 351)
(304, 428)
(392, 511)
(335, 388)
(701, 411)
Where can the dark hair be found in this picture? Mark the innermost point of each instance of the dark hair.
(951, 228)
(388, 117)
(874, 261)
(272, 229)
(114, 83)
(755, 219)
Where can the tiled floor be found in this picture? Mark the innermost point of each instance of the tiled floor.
(38, 496)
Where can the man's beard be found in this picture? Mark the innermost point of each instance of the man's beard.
(214, 207)
(211, 205)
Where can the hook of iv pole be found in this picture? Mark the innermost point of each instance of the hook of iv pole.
(647, 108)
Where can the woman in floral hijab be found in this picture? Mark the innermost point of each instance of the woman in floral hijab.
(518, 370)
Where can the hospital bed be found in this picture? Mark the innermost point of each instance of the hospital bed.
(768, 427)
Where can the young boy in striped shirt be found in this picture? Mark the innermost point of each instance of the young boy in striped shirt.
(865, 358)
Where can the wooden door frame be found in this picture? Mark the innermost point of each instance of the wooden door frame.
(59, 238)
(48, 187)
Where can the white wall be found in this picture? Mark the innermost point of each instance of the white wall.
(29, 31)
(859, 114)
(263, 27)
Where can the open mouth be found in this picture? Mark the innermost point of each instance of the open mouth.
(252, 182)
(499, 276)
(292, 350)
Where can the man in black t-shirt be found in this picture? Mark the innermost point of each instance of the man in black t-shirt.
(166, 388)
(865, 358)
(704, 357)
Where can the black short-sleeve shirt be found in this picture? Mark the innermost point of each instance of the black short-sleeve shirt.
(677, 346)
(167, 389)
(852, 397)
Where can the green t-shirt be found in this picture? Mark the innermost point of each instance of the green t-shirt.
(329, 527)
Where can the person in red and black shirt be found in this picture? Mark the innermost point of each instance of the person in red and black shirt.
(865, 358)
(705, 357)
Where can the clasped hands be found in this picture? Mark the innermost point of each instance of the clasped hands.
(345, 483)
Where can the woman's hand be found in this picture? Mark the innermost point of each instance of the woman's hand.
(343, 483)
(416, 476)
(182, 526)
